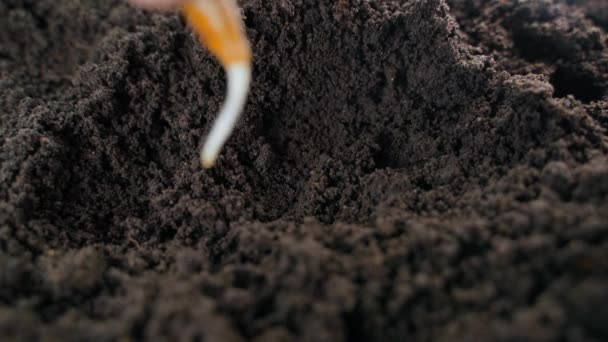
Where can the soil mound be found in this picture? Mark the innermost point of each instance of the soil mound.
(420, 170)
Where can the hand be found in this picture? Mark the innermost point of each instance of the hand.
(161, 5)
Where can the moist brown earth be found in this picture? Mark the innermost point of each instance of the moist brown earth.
(404, 170)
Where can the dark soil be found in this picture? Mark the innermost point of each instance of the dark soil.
(405, 170)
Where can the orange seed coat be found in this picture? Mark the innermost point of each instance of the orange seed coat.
(223, 35)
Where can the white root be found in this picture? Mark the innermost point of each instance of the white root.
(238, 78)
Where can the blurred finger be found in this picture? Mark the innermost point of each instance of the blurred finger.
(157, 4)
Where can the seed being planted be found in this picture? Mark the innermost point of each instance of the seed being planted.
(220, 28)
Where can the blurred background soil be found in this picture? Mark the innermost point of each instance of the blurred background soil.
(420, 170)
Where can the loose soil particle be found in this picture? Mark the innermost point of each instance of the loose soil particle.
(404, 170)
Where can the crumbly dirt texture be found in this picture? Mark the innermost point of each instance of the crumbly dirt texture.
(404, 170)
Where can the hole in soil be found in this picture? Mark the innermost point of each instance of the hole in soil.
(423, 184)
(529, 49)
(383, 157)
(579, 84)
